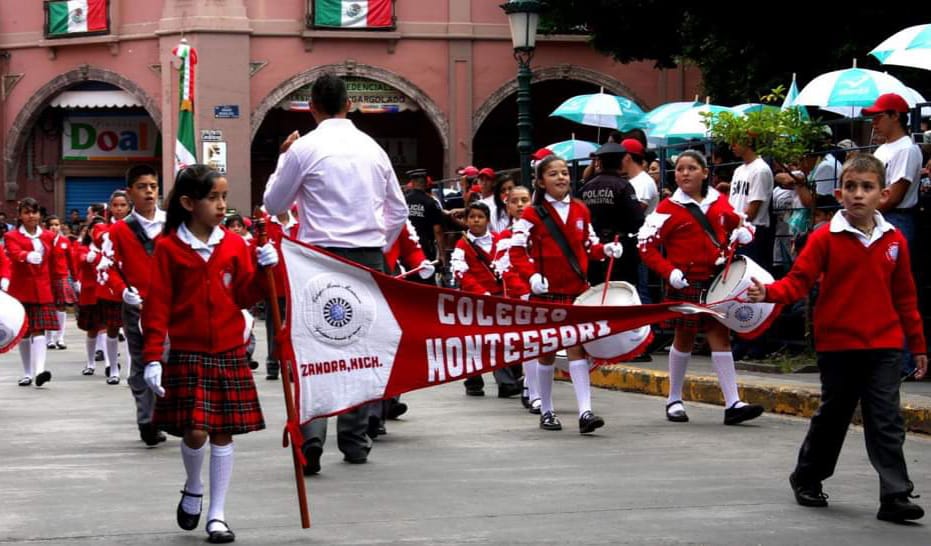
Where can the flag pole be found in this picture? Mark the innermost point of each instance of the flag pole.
(286, 376)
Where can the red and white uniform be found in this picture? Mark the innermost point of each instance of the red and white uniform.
(87, 274)
(5, 266)
(130, 256)
(533, 250)
(688, 246)
(197, 303)
(515, 285)
(406, 250)
(30, 283)
(62, 266)
(868, 298)
(472, 263)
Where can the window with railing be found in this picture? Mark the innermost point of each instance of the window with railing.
(351, 14)
(75, 18)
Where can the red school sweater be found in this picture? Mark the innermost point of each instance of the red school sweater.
(867, 298)
(130, 257)
(515, 284)
(477, 277)
(197, 304)
(61, 258)
(29, 283)
(406, 250)
(87, 276)
(533, 249)
(688, 246)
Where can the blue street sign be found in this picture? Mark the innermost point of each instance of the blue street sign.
(226, 111)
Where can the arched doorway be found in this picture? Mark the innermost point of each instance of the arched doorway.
(73, 140)
(494, 141)
(396, 113)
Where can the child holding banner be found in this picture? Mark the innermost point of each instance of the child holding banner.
(203, 277)
(552, 245)
(690, 225)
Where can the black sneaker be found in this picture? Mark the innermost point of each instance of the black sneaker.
(396, 409)
(149, 434)
(809, 494)
(312, 453)
(734, 415)
(549, 421)
(588, 422)
(899, 509)
(525, 398)
(43, 378)
(98, 356)
(375, 427)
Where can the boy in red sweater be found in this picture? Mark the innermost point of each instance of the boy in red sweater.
(866, 308)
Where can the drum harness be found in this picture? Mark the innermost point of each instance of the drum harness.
(560, 239)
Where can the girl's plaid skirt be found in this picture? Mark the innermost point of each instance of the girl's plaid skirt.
(42, 317)
(100, 316)
(210, 392)
(693, 293)
(63, 292)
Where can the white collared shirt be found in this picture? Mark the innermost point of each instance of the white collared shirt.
(343, 183)
(839, 223)
(35, 238)
(151, 227)
(902, 158)
(561, 206)
(482, 241)
(204, 250)
(682, 198)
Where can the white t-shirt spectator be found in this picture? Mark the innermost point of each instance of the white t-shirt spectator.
(497, 223)
(825, 175)
(752, 182)
(645, 188)
(902, 159)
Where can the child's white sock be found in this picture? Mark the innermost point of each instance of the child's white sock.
(193, 461)
(582, 383)
(221, 470)
(723, 364)
(90, 346)
(113, 345)
(60, 333)
(25, 354)
(545, 377)
(531, 380)
(37, 354)
(678, 364)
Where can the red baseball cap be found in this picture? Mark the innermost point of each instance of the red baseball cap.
(887, 102)
(541, 153)
(633, 146)
(487, 171)
(475, 188)
(468, 171)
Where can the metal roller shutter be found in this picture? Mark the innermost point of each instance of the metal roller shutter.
(81, 192)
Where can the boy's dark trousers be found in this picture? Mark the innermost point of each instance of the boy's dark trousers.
(871, 377)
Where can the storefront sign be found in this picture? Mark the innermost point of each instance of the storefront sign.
(214, 155)
(124, 138)
(226, 111)
(366, 96)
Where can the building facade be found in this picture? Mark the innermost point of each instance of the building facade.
(437, 89)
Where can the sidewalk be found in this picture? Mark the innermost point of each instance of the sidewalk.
(792, 394)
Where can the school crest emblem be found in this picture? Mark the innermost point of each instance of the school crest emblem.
(227, 279)
(337, 310)
(580, 225)
(892, 253)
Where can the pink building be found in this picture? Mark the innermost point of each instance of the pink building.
(436, 89)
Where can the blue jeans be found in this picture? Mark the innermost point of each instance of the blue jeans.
(906, 221)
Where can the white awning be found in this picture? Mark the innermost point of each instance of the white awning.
(110, 98)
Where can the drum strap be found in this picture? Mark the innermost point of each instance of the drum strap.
(147, 243)
(486, 261)
(560, 239)
(695, 211)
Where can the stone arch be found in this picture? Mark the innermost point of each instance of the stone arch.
(27, 117)
(433, 112)
(557, 72)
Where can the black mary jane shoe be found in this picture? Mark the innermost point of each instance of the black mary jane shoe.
(186, 521)
(588, 422)
(43, 378)
(734, 415)
(223, 535)
(678, 416)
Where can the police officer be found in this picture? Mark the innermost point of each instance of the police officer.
(426, 215)
(615, 211)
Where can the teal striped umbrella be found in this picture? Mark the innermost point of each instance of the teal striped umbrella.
(602, 110)
(907, 47)
(686, 124)
(854, 88)
(746, 108)
(573, 149)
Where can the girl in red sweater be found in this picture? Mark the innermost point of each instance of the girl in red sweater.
(90, 318)
(30, 249)
(689, 265)
(867, 310)
(204, 276)
(61, 281)
(556, 276)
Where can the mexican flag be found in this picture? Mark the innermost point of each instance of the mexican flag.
(353, 13)
(185, 153)
(76, 16)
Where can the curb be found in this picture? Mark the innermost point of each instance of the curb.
(775, 398)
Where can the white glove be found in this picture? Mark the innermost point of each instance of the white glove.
(614, 250)
(427, 270)
(539, 284)
(741, 236)
(34, 258)
(131, 297)
(153, 377)
(91, 256)
(677, 279)
(5, 284)
(267, 255)
(77, 286)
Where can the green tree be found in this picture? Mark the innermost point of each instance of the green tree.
(742, 49)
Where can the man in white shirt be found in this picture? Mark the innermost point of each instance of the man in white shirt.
(648, 197)
(350, 203)
(750, 194)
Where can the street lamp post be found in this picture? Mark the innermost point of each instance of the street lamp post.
(524, 17)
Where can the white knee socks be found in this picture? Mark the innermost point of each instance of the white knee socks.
(678, 364)
(90, 347)
(58, 336)
(193, 461)
(545, 377)
(113, 347)
(582, 383)
(531, 380)
(221, 470)
(37, 354)
(25, 354)
(723, 363)
(100, 344)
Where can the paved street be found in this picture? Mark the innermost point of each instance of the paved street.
(455, 470)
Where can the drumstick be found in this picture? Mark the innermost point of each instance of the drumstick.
(731, 250)
(415, 270)
(604, 293)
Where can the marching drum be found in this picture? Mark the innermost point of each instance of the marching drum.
(747, 320)
(625, 345)
(13, 323)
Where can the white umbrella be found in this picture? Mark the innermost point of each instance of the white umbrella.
(853, 89)
(687, 124)
(573, 149)
(602, 110)
(908, 47)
